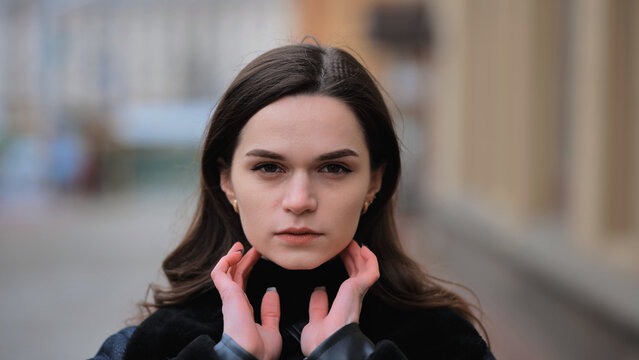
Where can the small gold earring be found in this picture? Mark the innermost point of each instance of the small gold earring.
(365, 208)
(237, 210)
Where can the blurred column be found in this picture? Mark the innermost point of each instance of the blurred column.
(444, 163)
(496, 124)
(26, 118)
(604, 179)
(588, 110)
(4, 17)
(634, 112)
(621, 162)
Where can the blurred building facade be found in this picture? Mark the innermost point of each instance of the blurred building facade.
(536, 135)
(537, 118)
(110, 90)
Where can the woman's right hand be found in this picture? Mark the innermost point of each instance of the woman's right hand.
(229, 275)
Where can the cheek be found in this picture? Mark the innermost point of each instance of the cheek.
(344, 213)
(252, 205)
(255, 213)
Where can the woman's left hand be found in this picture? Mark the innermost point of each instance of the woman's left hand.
(363, 271)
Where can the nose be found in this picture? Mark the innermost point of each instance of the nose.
(299, 197)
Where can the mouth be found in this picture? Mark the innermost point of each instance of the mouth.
(298, 236)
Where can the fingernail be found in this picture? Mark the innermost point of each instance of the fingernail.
(272, 288)
(321, 288)
(240, 251)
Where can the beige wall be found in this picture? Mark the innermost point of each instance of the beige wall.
(536, 116)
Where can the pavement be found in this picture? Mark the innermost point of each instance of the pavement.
(73, 269)
(526, 315)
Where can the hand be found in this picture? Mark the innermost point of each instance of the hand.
(230, 275)
(363, 271)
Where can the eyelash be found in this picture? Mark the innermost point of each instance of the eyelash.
(263, 166)
(341, 169)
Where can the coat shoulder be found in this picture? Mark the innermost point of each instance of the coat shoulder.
(433, 333)
(113, 347)
(170, 329)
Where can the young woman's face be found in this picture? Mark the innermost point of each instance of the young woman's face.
(301, 174)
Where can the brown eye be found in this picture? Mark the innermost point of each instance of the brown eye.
(268, 168)
(335, 169)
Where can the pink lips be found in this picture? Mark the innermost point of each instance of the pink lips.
(298, 236)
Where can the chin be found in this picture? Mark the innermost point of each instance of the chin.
(293, 264)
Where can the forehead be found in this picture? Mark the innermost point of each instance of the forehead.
(303, 124)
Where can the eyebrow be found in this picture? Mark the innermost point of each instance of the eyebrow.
(337, 154)
(328, 156)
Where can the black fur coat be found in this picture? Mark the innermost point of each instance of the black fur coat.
(192, 330)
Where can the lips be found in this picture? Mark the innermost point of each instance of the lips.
(298, 236)
(298, 231)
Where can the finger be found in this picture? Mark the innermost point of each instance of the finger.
(347, 256)
(371, 267)
(220, 273)
(353, 247)
(348, 302)
(237, 246)
(364, 269)
(368, 256)
(349, 264)
(244, 267)
(318, 305)
(231, 258)
(354, 250)
(359, 261)
(271, 309)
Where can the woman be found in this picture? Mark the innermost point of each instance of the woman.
(295, 217)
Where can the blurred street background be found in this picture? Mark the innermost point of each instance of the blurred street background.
(519, 122)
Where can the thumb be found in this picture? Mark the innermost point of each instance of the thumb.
(318, 305)
(271, 309)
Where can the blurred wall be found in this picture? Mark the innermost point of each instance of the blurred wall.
(535, 137)
(536, 118)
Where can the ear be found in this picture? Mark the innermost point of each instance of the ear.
(376, 182)
(226, 184)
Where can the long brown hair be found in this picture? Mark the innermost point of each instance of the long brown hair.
(284, 71)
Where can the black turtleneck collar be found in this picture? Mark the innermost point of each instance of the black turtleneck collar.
(293, 286)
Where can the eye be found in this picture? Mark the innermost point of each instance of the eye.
(268, 168)
(335, 169)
